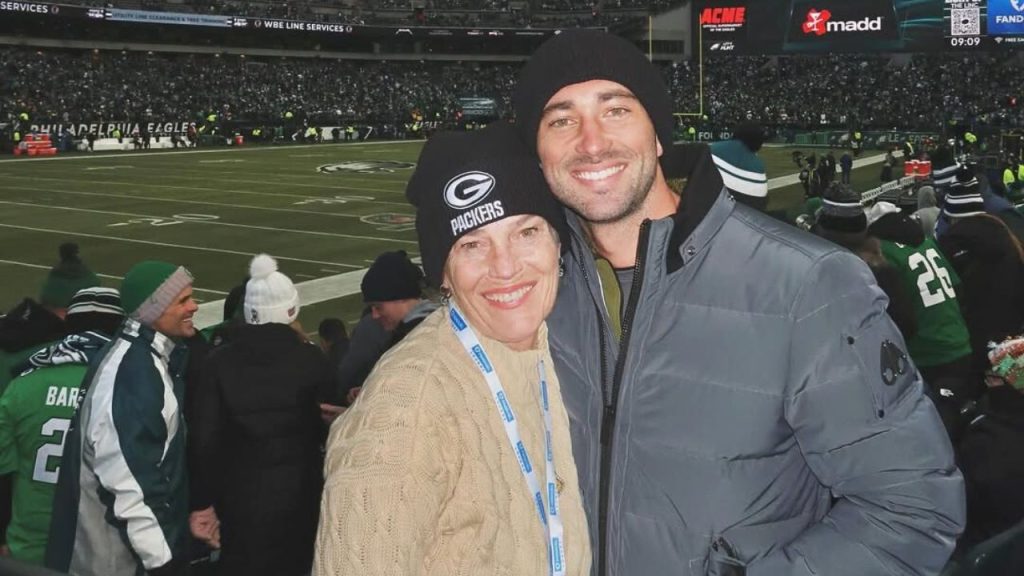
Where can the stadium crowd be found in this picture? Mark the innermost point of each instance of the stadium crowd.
(122, 86)
(838, 91)
(435, 12)
(922, 92)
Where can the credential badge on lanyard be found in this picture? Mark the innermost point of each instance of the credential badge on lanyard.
(550, 515)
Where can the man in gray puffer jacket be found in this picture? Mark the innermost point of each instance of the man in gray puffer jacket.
(739, 401)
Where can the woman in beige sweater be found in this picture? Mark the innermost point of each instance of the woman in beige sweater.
(456, 458)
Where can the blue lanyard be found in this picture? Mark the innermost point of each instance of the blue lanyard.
(550, 515)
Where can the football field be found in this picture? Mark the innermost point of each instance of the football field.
(324, 211)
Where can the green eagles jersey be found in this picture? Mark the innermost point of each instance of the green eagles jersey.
(927, 276)
(35, 411)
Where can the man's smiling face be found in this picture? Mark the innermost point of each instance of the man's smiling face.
(598, 150)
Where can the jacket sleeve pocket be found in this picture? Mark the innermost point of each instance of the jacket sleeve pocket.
(883, 362)
(722, 559)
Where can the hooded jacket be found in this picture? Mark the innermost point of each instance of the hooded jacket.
(759, 416)
(927, 210)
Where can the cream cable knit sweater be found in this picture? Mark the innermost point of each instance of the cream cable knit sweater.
(420, 479)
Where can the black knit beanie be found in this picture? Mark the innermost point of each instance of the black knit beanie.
(963, 197)
(841, 210)
(467, 180)
(580, 55)
(392, 276)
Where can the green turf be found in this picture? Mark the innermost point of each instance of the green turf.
(124, 208)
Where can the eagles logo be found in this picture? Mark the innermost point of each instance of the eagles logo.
(391, 221)
(365, 166)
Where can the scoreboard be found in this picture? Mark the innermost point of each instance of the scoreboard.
(810, 26)
(985, 23)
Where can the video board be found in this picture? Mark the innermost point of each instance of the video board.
(812, 26)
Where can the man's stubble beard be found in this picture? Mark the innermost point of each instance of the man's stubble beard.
(586, 204)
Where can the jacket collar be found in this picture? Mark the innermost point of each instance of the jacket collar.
(704, 207)
(161, 344)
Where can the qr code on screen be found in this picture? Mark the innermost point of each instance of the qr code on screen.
(965, 21)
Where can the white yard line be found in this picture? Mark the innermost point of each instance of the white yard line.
(177, 174)
(168, 244)
(196, 202)
(385, 178)
(212, 222)
(110, 276)
(134, 184)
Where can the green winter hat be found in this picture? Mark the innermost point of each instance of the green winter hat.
(150, 287)
(66, 278)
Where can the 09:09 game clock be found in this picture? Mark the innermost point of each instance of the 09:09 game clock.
(964, 23)
(964, 41)
(988, 23)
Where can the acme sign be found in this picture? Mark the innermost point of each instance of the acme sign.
(723, 15)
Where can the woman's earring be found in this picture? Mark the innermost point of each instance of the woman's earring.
(446, 295)
(561, 267)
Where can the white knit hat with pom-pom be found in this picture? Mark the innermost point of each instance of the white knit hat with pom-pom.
(269, 295)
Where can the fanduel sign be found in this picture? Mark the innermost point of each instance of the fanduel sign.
(1006, 17)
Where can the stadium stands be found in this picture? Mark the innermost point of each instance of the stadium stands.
(835, 91)
(437, 12)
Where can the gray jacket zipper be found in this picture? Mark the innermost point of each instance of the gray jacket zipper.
(611, 405)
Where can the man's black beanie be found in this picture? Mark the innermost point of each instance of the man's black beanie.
(579, 55)
(392, 276)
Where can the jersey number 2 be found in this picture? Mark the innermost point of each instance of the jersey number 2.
(41, 471)
(932, 268)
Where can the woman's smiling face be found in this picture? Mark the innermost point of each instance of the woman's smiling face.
(504, 278)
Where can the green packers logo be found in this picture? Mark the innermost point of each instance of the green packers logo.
(365, 166)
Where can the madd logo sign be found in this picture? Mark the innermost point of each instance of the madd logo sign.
(1006, 17)
(827, 22)
(819, 22)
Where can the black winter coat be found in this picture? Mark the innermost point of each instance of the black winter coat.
(988, 260)
(29, 324)
(991, 456)
(255, 441)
